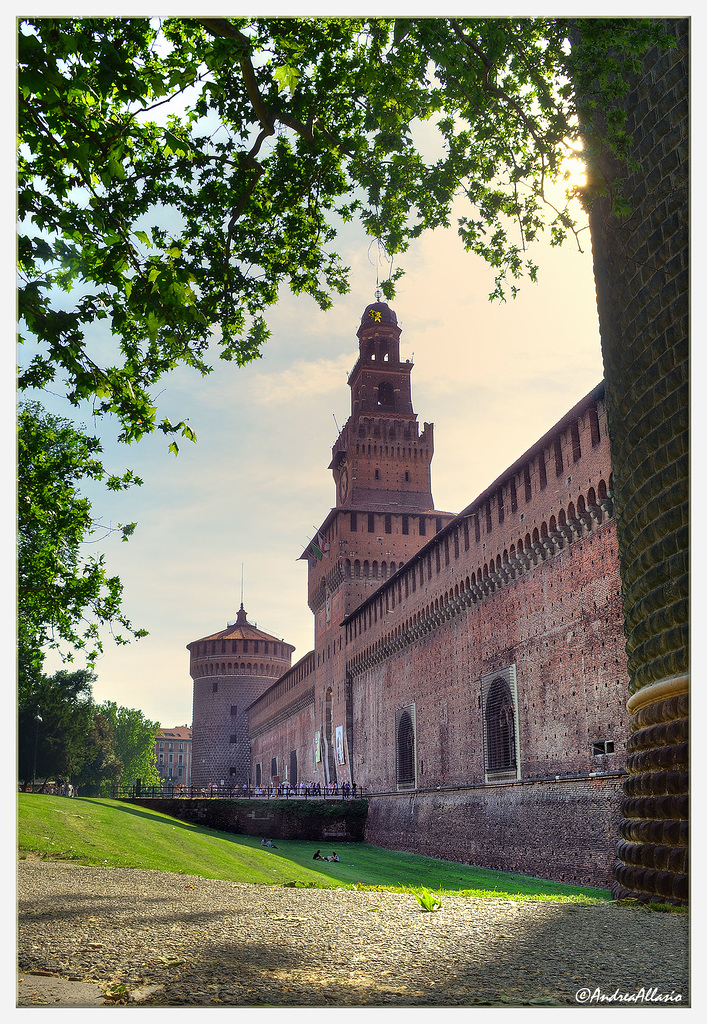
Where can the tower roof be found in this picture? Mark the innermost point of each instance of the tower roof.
(379, 313)
(241, 629)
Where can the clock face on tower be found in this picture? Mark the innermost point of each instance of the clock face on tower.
(343, 484)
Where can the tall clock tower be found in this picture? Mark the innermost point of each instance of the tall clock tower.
(383, 515)
(384, 510)
(380, 461)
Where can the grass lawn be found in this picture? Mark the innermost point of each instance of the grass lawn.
(111, 833)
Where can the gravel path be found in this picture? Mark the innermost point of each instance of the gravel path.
(179, 940)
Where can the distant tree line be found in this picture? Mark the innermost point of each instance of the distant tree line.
(63, 734)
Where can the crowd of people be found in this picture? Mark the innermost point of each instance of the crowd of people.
(58, 788)
(277, 789)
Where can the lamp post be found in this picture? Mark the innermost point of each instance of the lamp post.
(38, 719)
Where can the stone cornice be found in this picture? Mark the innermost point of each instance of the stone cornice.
(654, 693)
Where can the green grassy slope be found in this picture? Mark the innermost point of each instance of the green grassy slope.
(116, 834)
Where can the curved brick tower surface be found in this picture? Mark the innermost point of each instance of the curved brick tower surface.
(641, 271)
(230, 669)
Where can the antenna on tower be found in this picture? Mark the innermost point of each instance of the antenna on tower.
(241, 584)
(379, 291)
(338, 428)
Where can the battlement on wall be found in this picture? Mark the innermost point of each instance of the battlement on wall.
(554, 495)
(291, 693)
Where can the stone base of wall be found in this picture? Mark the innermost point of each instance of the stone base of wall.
(560, 830)
(316, 820)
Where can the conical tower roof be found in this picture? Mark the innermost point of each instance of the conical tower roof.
(241, 629)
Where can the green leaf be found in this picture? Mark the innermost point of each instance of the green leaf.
(286, 77)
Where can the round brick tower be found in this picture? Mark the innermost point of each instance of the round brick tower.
(230, 669)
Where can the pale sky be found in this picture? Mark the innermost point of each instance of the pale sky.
(492, 378)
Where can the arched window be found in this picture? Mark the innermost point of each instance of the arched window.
(405, 747)
(500, 726)
(386, 395)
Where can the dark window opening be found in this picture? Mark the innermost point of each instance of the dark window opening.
(386, 395)
(594, 425)
(576, 449)
(233, 738)
(371, 522)
(601, 747)
(422, 526)
(354, 522)
(273, 767)
(293, 768)
(234, 710)
(388, 523)
(558, 457)
(514, 497)
(542, 470)
(214, 687)
(500, 727)
(405, 748)
(407, 476)
(526, 481)
(405, 525)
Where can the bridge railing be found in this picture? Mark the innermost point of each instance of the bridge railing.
(171, 792)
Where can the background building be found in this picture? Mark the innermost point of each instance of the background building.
(173, 748)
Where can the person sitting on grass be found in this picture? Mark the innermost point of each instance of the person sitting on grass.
(334, 857)
(318, 855)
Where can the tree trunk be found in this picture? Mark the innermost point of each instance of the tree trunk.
(641, 274)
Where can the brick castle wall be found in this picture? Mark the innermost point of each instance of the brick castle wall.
(564, 830)
(341, 821)
(559, 625)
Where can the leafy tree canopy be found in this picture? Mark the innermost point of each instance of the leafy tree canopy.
(172, 175)
(55, 719)
(63, 733)
(64, 595)
(134, 743)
